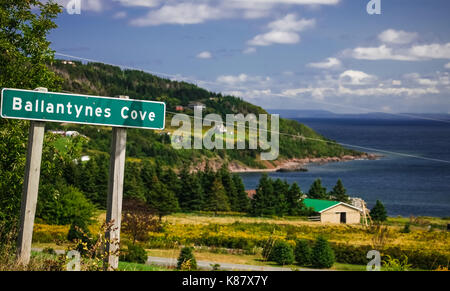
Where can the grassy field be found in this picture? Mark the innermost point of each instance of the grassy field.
(236, 238)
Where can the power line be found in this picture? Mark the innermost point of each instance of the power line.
(333, 142)
(285, 134)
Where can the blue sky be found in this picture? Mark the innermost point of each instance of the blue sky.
(280, 54)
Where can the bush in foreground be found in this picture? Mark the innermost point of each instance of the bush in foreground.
(186, 260)
(134, 254)
(322, 254)
(303, 253)
(282, 253)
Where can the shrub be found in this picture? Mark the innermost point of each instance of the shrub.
(62, 205)
(282, 253)
(406, 228)
(322, 254)
(186, 260)
(303, 253)
(134, 254)
(268, 247)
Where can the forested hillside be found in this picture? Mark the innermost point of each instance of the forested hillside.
(105, 80)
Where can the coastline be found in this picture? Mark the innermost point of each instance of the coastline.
(296, 164)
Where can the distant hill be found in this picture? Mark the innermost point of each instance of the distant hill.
(106, 80)
(292, 113)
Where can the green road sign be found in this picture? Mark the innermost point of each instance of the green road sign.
(74, 108)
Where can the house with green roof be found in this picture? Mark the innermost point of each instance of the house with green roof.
(334, 211)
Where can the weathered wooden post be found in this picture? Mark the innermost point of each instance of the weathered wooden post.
(115, 192)
(30, 188)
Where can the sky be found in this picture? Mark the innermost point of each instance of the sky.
(279, 54)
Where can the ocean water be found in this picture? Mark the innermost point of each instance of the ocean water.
(406, 185)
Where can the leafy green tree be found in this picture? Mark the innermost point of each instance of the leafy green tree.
(242, 200)
(322, 254)
(303, 253)
(317, 191)
(378, 212)
(217, 199)
(339, 192)
(24, 53)
(62, 204)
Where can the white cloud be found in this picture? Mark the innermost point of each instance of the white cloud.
(249, 94)
(183, 13)
(397, 36)
(431, 51)
(249, 50)
(329, 63)
(352, 77)
(120, 15)
(377, 53)
(204, 55)
(447, 66)
(194, 12)
(396, 82)
(243, 80)
(139, 3)
(414, 53)
(275, 37)
(283, 31)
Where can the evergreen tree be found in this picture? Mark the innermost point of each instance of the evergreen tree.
(339, 192)
(243, 202)
(160, 199)
(133, 185)
(230, 189)
(378, 212)
(317, 191)
(280, 190)
(216, 199)
(322, 254)
(294, 200)
(264, 202)
(170, 179)
(303, 253)
(88, 183)
(147, 173)
(191, 196)
(186, 260)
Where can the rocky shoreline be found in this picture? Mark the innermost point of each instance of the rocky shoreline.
(293, 165)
